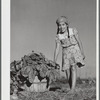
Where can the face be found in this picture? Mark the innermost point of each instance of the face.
(62, 27)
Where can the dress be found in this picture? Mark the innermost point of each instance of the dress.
(71, 53)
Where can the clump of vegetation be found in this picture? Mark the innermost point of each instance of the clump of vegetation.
(24, 71)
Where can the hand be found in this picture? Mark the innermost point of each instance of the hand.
(62, 70)
(57, 66)
(83, 56)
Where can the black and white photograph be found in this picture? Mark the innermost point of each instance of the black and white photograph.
(53, 50)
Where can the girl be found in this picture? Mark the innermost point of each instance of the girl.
(72, 50)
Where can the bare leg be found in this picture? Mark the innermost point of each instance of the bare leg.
(68, 74)
(73, 78)
(74, 75)
(69, 77)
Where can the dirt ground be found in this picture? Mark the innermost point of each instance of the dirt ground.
(85, 90)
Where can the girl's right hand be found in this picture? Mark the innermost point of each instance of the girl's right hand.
(83, 56)
(62, 70)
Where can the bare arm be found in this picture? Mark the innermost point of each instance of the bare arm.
(79, 42)
(56, 52)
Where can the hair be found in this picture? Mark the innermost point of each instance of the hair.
(67, 29)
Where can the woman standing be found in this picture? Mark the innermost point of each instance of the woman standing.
(72, 50)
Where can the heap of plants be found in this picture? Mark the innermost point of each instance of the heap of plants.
(34, 64)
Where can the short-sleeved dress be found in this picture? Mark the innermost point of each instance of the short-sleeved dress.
(71, 53)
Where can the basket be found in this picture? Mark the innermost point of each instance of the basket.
(38, 86)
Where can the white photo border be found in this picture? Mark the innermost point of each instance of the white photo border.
(5, 49)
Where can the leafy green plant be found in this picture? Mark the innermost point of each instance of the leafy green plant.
(31, 65)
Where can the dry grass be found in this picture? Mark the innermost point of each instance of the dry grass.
(85, 90)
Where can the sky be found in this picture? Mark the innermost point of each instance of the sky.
(33, 27)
